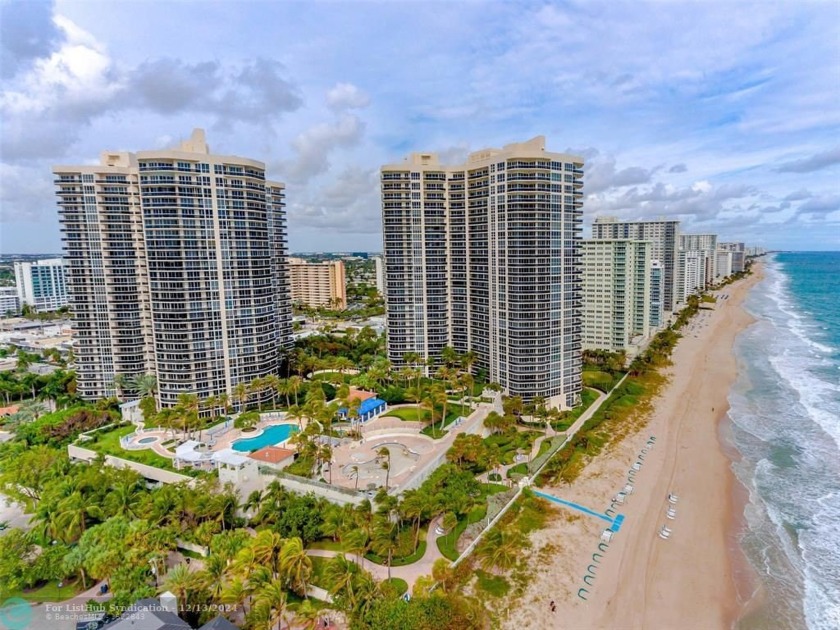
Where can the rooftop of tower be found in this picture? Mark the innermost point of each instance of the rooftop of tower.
(533, 148)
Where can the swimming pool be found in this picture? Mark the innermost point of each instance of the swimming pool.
(147, 440)
(271, 435)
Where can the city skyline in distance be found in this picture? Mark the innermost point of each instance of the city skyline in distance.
(721, 115)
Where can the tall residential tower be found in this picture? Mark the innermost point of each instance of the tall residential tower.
(662, 233)
(485, 257)
(176, 267)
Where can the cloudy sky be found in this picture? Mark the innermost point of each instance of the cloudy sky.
(724, 114)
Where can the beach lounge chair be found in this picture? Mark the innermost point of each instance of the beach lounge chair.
(673, 498)
(588, 579)
(606, 537)
(607, 512)
(591, 568)
(598, 559)
(652, 438)
(637, 466)
(602, 546)
(663, 536)
(628, 489)
(671, 513)
(580, 590)
(619, 498)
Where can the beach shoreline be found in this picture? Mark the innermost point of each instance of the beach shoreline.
(699, 577)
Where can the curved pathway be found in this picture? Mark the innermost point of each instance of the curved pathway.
(408, 572)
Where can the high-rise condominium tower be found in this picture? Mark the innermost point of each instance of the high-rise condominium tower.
(318, 284)
(616, 293)
(663, 234)
(703, 243)
(485, 257)
(176, 267)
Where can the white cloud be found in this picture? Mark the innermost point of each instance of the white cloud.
(347, 96)
(314, 146)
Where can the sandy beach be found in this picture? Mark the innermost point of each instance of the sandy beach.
(697, 578)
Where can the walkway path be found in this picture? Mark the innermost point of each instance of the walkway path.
(409, 572)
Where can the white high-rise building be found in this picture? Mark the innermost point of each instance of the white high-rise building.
(703, 243)
(662, 233)
(176, 265)
(738, 255)
(616, 293)
(485, 257)
(723, 265)
(41, 284)
(379, 267)
(691, 274)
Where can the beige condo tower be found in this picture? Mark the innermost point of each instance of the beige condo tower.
(176, 266)
(318, 284)
(485, 257)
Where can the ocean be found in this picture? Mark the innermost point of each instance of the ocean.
(785, 428)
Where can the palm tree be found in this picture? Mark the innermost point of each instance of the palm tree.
(501, 549)
(187, 407)
(182, 582)
(122, 499)
(240, 395)
(355, 470)
(357, 542)
(414, 506)
(235, 593)
(386, 465)
(145, 385)
(385, 540)
(270, 605)
(73, 513)
(341, 573)
(267, 547)
(212, 577)
(295, 383)
(295, 565)
(308, 614)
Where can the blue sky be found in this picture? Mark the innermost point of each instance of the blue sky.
(724, 114)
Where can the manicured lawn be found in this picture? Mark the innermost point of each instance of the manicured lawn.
(50, 592)
(413, 414)
(408, 413)
(598, 380)
(447, 544)
(398, 584)
(511, 442)
(521, 469)
(108, 443)
(328, 544)
(401, 561)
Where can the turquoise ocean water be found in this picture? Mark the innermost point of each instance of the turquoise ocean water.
(785, 421)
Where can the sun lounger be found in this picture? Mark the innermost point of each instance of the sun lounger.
(598, 559)
(579, 593)
(588, 579)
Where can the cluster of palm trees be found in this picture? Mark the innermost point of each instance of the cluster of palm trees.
(253, 575)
